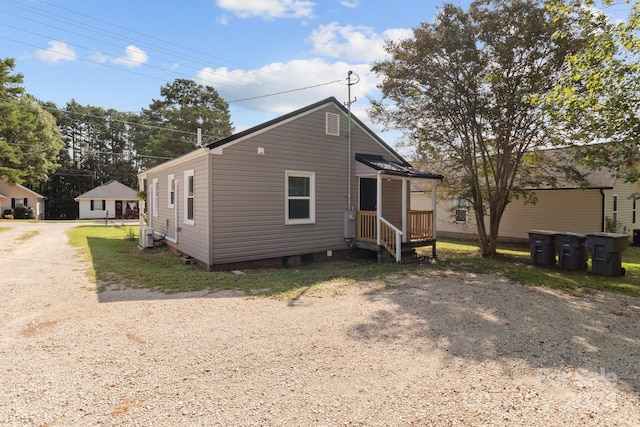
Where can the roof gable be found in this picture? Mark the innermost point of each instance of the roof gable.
(8, 189)
(218, 146)
(111, 189)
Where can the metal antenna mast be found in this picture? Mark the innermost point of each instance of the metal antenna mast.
(349, 102)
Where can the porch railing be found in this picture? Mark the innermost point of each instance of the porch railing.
(391, 239)
(419, 228)
(419, 225)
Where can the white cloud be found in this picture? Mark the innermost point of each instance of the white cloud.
(268, 9)
(354, 43)
(134, 57)
(244, 89)
(58, 51)
(351, 4)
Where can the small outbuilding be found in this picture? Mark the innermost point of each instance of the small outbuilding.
(112, 200)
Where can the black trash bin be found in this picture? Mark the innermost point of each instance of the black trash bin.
(543, 250)
(606, 253)
(572, 251)
(636, 237)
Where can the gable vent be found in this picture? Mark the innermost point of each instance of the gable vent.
(333, 124)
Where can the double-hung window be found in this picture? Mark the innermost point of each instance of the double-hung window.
(98, 205)
(171, 190)
(300, 197)
(189, 197)
(154, 196)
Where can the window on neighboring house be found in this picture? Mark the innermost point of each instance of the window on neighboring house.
(461, 209)
(633, 210)
(171, 189)
(300, 205)
(154, 196)
(19, 203)
(614, 211)
(98, 205)
(189, 197)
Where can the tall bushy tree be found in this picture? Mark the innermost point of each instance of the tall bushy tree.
(172, 121)
(29, 138)
(466, 89)
(597, 98)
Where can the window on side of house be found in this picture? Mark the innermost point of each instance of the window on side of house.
(189, 197)
(633, 209)
(171, 191)
(98, 205)
(300, 203)
(461, 208)
(614, 211)
(154, 196)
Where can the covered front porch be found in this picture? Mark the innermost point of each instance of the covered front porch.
(384, 219)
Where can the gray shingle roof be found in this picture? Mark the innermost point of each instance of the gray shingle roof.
(111, 189)
(379, 163)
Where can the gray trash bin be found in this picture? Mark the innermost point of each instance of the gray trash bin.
(606, 253)
(543, 250)
(572, 251)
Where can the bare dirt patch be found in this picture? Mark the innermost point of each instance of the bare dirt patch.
(437, 348)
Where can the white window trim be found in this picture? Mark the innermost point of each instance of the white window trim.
(154, 196)
(614, 207)
(170, 191)
(312, 198)
(187, 174)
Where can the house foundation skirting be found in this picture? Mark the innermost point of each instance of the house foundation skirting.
(290, 261)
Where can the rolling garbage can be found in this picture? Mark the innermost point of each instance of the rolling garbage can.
(543, 250)
(636, 237)
(606, 253)
(572, 251)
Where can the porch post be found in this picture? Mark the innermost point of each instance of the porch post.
(404, 210)
(434, 204)
(378, 206)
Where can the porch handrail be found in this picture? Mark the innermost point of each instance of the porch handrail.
(391, 239)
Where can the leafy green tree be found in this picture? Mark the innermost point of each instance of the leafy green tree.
(466, 90)
(169, 126)
(29, 138)
(597, 98)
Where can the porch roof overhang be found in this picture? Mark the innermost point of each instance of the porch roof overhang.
(388, 167)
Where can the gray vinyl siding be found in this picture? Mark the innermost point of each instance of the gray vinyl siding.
(248, 189)
(191, 239)
(392, 201)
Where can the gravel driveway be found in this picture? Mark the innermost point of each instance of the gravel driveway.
(444, 348)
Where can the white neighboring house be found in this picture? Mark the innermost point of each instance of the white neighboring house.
(16, 195)
(110, 200)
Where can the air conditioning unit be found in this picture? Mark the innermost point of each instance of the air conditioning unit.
(146, 237)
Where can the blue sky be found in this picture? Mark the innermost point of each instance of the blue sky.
(118, 54)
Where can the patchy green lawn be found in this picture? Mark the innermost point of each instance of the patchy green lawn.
(116, 260)
(514, 263)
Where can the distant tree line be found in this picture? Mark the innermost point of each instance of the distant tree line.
(64, 151)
